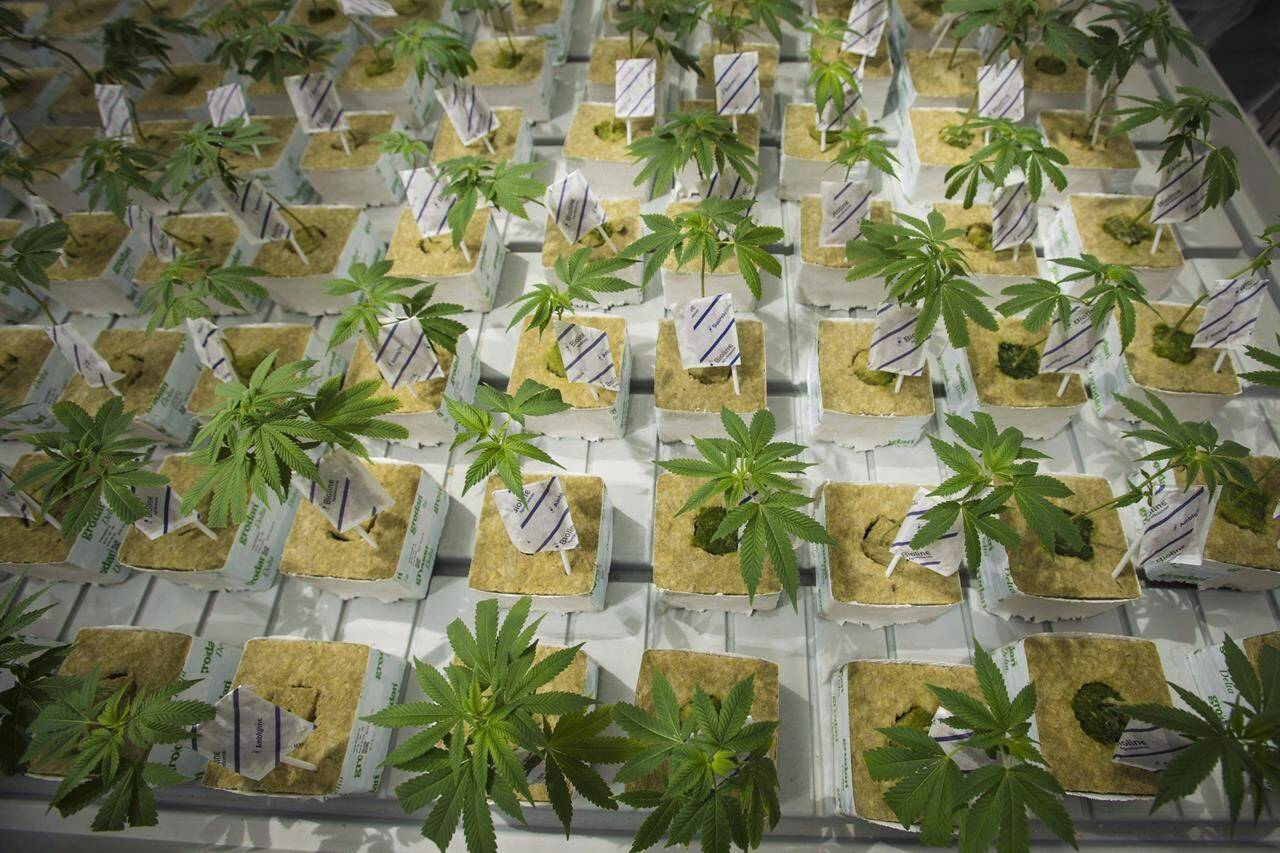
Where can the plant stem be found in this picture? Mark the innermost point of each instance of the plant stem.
(1097, 111)
(44, 306)
(1185, 314)
(1135, 490)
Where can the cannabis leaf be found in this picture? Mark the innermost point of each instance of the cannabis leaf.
(1271, 377)
(189, 282)
(1039, 301)
(397, 143)
(258, 436)
(748, 472)
(1114, 289)
(717, 782)
(1001, 472)
(200, 156)
(583, 278)
(91, 461)
(112, 170)
(701, 137)
(1010, 146)
(32, 674)
(504, 186)
(1192, 448)
(497, 445)
(435, 49)
(1242, 738)
(487, 722)
(990, 803)
(921, 267)
(713, 231)
(859, 142)
(252, 38)
(99, 735)
(380, 301)
(830, 72)
(24, 258)
(649, 23)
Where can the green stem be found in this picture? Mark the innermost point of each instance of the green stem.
(1135, 490)
(1096, 116)
(1185, 314)
(25, 288)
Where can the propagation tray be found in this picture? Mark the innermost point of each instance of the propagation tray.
(807, 647)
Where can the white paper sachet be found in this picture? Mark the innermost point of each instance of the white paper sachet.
(8, 132)
(13, 503)
(867, 19)
(707, 332)
(951, 738)
(348, 494)
(425, 194)
(316, 103)
(1180, 193)
(369, 8)
(1178, 526)
(164, 512)
(1001, 90)
(576, 209)
(894, 348)
(206, 340)
(539, 520)
(1013, 217)
(226, 103)
(40, 211)
(1148, 747)
(145, 225)
(470, 116)
(586, 355)
(251, 736)
(844, 205)
(832, 120)
(635, 87)
(113, 110)
(1232, 314)
(1068, 349)
(404, 355)
(737, 83)
(93, 368)
(730, 185)
(256, 212)
(943, 555)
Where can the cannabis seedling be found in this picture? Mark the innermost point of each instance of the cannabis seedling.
(103, 737)
(190, 282)
(583, 278)
(1016, 25)
(922, 268)
(649, 23)
(500, 444)
(705, 773)
(258, 436)
(32, 670)
(1244, 739)
(113, 170)
(860, 142)
(1009, 146)
(412, 152)
(701, 137)
(991, 803)
(488, 722)
(713, 231)
(200, 157)
(758, 501)
(495, 13)
(23, 260)
(382, 300)
(436, 51)
(731, 22)
(252, 38)
(91, 461)
(502, 186)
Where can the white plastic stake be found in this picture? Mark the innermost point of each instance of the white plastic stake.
(893, 564)
(605, 235)
(897, 385)
(293, 241)
(1222, 356)
(466, 253)
(628, 124)
(946, 28)
(1155, 241)
(564, 561)
(298, 762)
(342, 137)
(487, 145)
(365, 537)
(733, 373)
(1062, 386)
(1128, 555)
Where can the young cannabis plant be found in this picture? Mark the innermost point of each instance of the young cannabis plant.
(860, 142)
(662, 24)
(733, 22)
(1010, 146)
(252, 38)
(750, 474)
(583, 278)
(436, 51)
(111, 170)
(488, 722)
(830, 71)
(381, 300)
(414, 152)
(921, 267)
(103, 738)
(500, 445)
(1244, 739)
(200, 157)
(503, 186)
(715, 776)
(991, 803)
(24, 258)
(90, 462)
(700, 137)
(258, 436)
(1017, 24)
(714, 231)
(992, 471)
(32, 673)
(187, 285)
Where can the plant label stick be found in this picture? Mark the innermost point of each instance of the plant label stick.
(707, 333)
(577, 210)
(844, 205)
(943, 26)
(142, 223)
(943, 555)
(163, 513)
(113, 110)
(347, 493)
(1176, 529)
(737, 83)
(894, 348)
(635, 87)
(538, 520)
(586, 355)
(425, 194)
(1001, 90)
(93, 368)
(1013, 218)
(1231, 316)
(867, 20)
(404, 355)
(8, 132)
(1180, 195)
(227, 103)
(316, 104)
(251, 736)
(470, 116)
(207, 344)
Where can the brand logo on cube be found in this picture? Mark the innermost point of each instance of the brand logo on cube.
(1232, 314)
(867, 19)
(425, 194)
(538, 520)
(635, 86)
(468, 113)
(405, 355)
(707, 332)
(226, 103)
(1001, 90)
(315, 102)
(586, 354)
(1181, 192)
(737, 83)
(575, 207)
(844, 205)
(894, 348)
(113, 110)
